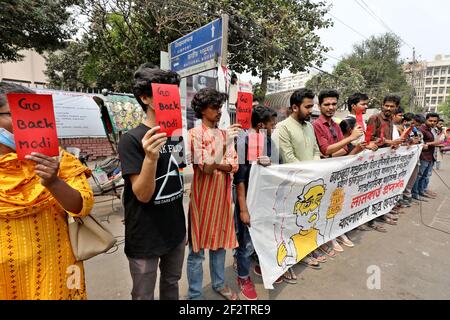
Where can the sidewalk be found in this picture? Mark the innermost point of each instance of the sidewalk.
(414, 260)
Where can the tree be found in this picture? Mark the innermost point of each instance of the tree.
(40, 25)
(444, 110)
(65, 67)
(378, 61)
(265, 36)
(268, 36)
(345, 79)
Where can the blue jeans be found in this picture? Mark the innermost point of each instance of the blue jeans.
(195, 271)
(245, 249)
(423, 179)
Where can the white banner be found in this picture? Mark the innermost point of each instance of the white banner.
(77, 116)
(296, 208)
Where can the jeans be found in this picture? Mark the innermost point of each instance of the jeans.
(143, 274)
(195, 271)
(411, 182)
(245, 249)
(423, 179)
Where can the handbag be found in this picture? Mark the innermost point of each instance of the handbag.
(88, 237)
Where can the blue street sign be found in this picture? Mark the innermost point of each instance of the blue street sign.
(201, 49)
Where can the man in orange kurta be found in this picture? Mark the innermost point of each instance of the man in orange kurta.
(211, 220)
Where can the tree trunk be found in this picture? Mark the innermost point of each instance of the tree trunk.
(264, 79)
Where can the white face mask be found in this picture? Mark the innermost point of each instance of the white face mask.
(7, 138)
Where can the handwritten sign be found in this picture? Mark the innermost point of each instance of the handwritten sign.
(359, 118)
(166, 101)
(255, 146)
(369, 133)
(34, 124)
(244, 109)
(406, 133)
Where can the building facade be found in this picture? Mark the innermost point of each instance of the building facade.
(28, 72)
(293, 82)
(431, 82)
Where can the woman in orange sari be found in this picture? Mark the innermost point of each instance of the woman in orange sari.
(36, 258)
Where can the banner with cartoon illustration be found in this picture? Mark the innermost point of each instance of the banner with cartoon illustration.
(296, 208)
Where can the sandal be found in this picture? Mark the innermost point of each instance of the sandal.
(316, 254)
(346, 242)
(311, 263)
(329, 251)
(378, 228)
(290, 277)
(228, 294)
(364, 227)
(389, 221)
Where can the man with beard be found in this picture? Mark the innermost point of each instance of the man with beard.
(296, 142)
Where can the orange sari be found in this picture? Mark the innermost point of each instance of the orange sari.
(36, 259)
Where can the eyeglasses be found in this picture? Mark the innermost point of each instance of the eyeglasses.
(5, 113)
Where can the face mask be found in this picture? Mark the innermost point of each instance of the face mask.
(7, 138)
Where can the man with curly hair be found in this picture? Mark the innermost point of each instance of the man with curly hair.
(211, 224)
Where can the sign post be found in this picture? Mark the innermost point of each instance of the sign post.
(201, 49)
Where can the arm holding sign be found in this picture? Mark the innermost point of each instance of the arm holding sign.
(143, 184)
(47, 169)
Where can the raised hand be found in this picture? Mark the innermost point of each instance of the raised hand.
(152, 143)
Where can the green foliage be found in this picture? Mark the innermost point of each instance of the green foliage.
(374, 67)
(27, 24)
(444, 111)
(265, 36)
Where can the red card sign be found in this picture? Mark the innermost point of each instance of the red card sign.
(406, 133)
(359, 118)
(382, 131)
(255, 146)
(369, 133)
(34, 124)
(166, 101)
(244, 109)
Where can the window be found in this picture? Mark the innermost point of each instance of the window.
(442, 81)
(433, 100)
(440, 100)
(428, 82)
(435, 81)
(427, 90)
(448, 80)
(435, 90)
(429, 72)
(441, 90)
(437, 71)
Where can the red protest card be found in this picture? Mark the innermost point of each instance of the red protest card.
(406, 133)
(244, 109)
(369, 133)
(359, 118)
(167, 104)
(34, 124)
(255, 146)
(382, 131)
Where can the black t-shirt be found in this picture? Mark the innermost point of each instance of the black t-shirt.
(153, 229)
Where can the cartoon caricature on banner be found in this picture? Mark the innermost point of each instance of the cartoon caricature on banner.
(295, 208)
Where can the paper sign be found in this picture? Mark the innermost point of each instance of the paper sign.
(34, 124)
(255, 146)
(244, 109)
(382, 131)
(167, 104)
(359, 118)
(369, 133)
(406, 133)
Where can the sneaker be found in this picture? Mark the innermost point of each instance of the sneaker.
(247, 289)
(257, 270)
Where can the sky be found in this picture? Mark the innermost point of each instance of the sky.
(423, 24)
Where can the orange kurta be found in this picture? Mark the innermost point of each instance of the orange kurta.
(36, 259)
(210, 210)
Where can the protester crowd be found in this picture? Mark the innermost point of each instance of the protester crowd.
(34, 199)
